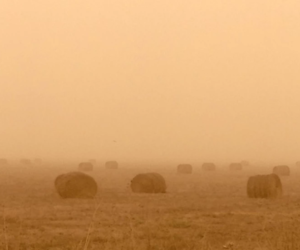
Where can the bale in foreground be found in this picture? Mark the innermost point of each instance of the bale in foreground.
(184, 169)
(111, 165)
(235, 166)
(264, 186)
(85, 166)
(148, 183)
(208, 166)
(76, 185)
(281, 170)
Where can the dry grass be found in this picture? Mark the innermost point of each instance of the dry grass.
(205, 210)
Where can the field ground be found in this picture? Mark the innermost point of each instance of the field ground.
(199, 211)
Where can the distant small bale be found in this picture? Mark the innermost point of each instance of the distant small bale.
(184, 169)
(76, 185)
(111, 165)
(235, 166)
(264, 186)
(3, 162)
(282, 170)
(148, 183)
(25, 161)
(208, 166)
(245, 163)
(85, 166)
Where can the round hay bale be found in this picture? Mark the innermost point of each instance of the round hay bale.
(184, 169)
(76, 185)
(25, 161)
(235, 166)
(111, 165)
(281, 170)
(3, 162)
(264, 186)
(85, 166)
(256, 187)
(148, 183)
(208, 166)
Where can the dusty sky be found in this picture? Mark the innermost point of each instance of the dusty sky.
(162, 80)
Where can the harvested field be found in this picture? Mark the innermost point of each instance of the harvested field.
(199, 211)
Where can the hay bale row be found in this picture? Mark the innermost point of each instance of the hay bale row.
(76, 185)
(80, 185)
(209, 166)
(264, 186)
(23, 161)
(148, 183)
(89, 165)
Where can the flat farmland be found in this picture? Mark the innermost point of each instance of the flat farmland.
(204, 210)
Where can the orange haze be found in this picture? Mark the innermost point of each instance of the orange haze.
(144, 80)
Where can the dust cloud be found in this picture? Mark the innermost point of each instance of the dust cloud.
(150, 80)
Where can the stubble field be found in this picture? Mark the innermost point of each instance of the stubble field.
(204, 210)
